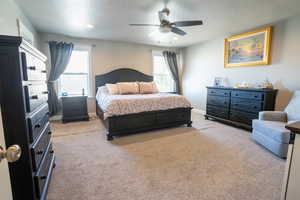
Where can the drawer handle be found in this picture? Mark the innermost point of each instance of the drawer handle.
(255, 96)
(236, 104)
(47, 113)
(45, 92)
(52, 151)
(32, 68)
(255, 106)
(49, 133)
(34, 97)
(44, 71)
(39, 152)
(225, 102)
(225, 93)
(43, 177)
(37, 126)
(236, 94)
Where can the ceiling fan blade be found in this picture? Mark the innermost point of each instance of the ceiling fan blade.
(143, 24)
(178, 31)
(188, 23)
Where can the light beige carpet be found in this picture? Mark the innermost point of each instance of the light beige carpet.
(210, 161)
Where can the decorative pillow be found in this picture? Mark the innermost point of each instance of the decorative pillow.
(128, 88)
(112, 88)
(148, 88)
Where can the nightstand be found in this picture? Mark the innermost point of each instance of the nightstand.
(74, 108)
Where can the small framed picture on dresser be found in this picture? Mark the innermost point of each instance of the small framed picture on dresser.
(219, 82)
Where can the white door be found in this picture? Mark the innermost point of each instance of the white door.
(5, 187)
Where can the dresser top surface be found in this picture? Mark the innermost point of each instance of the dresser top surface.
(244, 89)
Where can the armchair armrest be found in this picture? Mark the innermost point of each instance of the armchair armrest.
(273, 116)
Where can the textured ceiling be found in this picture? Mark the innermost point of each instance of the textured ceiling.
(110, 18)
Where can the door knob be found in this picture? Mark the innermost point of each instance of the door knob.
(12, 154)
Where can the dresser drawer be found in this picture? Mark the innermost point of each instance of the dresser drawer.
(37, 122)
(217, 111)
(218, 100)
(44, 172)
(246, 105)
(248, 95)
(242, 117)
(33, 68)
(218, 92)
(39, 148)
(35, 95)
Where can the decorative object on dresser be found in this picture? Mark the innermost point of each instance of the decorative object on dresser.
(137, 122)
(291, 181)
(269, 129)
(238, 106)
(74, 108)
(25, 113)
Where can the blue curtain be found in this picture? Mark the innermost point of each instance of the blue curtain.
(171, 60)
(60, 53)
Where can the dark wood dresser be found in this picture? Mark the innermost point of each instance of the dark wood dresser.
(25, 115)
(74, 108)
(238, 106)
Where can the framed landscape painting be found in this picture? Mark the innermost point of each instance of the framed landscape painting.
(248, 49)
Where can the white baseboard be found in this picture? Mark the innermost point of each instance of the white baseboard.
(198, 111)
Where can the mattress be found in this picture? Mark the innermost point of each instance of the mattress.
(115, 105)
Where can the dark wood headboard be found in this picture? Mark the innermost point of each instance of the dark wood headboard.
(121, 75)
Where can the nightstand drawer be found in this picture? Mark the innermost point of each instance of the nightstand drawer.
(74, 108)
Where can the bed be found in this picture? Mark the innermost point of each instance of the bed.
(142, 117)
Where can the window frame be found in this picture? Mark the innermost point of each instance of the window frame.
(89, 73)
(160, 53)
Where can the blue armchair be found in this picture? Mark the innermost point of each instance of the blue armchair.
(269, 130)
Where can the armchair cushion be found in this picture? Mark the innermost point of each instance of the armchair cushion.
(273, 116)
(272, 129)
(293, 108)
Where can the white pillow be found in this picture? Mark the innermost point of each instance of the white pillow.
(148, 88)
(128, 88)
(112, 88)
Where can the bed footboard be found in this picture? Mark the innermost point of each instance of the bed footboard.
(132, 123)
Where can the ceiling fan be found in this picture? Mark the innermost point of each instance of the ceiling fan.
(166, 26)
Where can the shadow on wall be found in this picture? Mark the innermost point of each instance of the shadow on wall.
(283, 97)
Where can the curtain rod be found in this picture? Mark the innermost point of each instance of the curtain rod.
(92, 45)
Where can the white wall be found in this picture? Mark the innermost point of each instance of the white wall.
(9, 13)
(203, 62)
(108, 55)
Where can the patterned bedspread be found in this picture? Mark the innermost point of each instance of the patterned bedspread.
(113, 105)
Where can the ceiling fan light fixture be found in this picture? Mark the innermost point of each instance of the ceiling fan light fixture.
(164, 29)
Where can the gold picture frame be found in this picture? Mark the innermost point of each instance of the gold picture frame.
(248, 49)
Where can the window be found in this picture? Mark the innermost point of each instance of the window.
(162, 75)
(75, 80)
